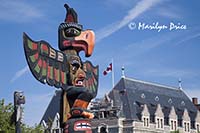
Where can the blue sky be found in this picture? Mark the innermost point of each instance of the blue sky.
(150, 55)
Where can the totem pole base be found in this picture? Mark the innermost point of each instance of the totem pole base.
(77, 125)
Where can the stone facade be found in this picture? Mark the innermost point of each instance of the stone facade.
(122, 125)
(142, 107)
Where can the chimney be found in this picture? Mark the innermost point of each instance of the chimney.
(195, 101)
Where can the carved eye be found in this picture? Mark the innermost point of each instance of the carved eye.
(74, 68)
(71, 32)
(75, 65)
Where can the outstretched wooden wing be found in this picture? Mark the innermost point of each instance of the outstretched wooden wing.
(92, 76)
(46, 64)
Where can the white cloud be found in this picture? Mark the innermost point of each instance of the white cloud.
(188, 38)
(148, 44)
(18, 11)
(138, 9)
(145, 45)
(19, 73)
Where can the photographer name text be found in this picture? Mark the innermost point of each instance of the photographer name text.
(157, 26)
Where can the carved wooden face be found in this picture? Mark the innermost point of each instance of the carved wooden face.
(78, 126)
(76, 73)
(71, 36)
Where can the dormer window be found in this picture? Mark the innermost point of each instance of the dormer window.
(186, 126)
(159, 123)
(173, 119)
(145, 116)
(156, 98)
(186, 121)
(170, 101)
(145, 121)
(159, 117)
(173, 125)
(143, 96)
(182, 103)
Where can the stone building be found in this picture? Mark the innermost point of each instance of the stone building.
(51, 118)
(135, 106)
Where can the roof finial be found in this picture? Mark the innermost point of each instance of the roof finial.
(180, 84)
(123, 73)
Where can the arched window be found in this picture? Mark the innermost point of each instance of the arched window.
(145, 116)
(102, 128)
(145, 121)
(159, 117)
(173, 119)
(186, 121)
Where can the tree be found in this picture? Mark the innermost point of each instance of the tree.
(7, 122)
(6, 112)
(35, 129)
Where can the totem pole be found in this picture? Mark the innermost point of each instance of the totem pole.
(64, 69)
(19, 100)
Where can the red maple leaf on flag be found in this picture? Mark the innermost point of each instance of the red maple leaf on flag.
(108, 69)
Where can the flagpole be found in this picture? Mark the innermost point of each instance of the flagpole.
(113, 80)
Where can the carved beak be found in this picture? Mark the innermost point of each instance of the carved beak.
(85, 41)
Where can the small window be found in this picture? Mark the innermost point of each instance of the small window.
(161, 123)
(57, 123)
(188, 127)
(157, 98)
(147, 122)
(185, 126)
(142, 96)
(170, 101)
(144, 121)
(158, 123)
(103, 128)
(172, 125)
(182, 103)
(175, 125)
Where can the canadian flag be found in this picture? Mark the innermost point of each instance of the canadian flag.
(108, 69)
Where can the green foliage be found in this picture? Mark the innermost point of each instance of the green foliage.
(35, 129)
(6, 112)
(7, 122)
